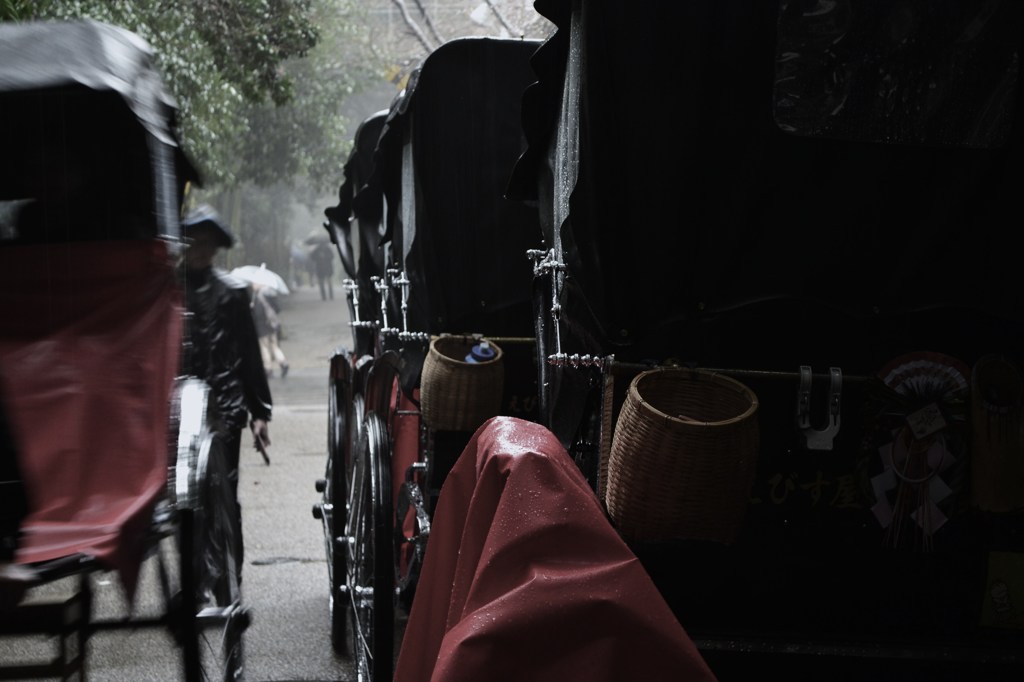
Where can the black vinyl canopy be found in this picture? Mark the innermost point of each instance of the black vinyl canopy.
(756, 182)
(88, 86)
(442, 164)
(368, 217)
(758, 187)
(98, 56)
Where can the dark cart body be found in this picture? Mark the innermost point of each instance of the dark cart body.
(432, 195)
(823, 198)
(109, 458)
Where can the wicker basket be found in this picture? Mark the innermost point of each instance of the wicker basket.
(683, 457)
(456, 395)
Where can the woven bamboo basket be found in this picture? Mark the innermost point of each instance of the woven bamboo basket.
(683, 457)
(456, 395)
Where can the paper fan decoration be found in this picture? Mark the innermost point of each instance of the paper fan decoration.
(927, 375)
(920, 448)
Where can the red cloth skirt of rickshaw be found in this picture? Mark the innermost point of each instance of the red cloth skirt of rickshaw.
(90, 342)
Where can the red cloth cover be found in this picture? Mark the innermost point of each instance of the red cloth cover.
(525, 579)
(90, 340)
(405, 438)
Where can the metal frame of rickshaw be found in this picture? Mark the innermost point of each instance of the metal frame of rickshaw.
(184, 518)
(375, 427)
(362, 540)
(376, 543)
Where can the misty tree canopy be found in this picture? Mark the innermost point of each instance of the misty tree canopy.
(244, 116)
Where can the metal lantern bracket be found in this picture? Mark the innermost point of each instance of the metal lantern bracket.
(547, 262)
(352, 291)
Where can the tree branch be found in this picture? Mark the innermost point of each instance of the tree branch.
(429, 22)
(508, 27)
(413, 26)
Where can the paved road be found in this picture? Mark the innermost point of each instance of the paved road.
(285, 574)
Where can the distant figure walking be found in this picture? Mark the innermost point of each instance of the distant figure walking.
(323, 258)
(268, 327)
(300, 264)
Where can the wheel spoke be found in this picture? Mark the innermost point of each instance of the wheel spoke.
(370, 574)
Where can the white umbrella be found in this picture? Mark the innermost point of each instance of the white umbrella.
(260, 276)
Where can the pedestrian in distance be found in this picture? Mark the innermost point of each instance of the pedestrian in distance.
(222, 346)
(268, 328)
(323, 260)
(300, 264)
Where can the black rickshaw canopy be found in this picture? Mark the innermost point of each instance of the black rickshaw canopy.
(718, 156)
(762, 189)
(96, 64)
(442, 164)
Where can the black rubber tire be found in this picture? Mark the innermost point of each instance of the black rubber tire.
(219, 529)
(336, 494)
(218, 546)
(371, 569)
(381, 384)
(234, 655)
(187, 604)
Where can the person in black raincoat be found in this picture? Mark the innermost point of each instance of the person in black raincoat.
(222, 345)
(323, 258)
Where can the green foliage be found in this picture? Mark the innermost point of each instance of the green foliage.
(262, 87)
(222, 60)
(14, 10)
(249, 41)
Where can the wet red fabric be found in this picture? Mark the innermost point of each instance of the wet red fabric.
(405, 436)
(525, 579)
(90, 339)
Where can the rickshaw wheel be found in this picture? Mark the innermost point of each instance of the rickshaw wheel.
(217, 553)
(371, 576)
(234, 670)
(219, 568)
(339, 441)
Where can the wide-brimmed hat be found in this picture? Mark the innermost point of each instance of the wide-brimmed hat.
(204, 216)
